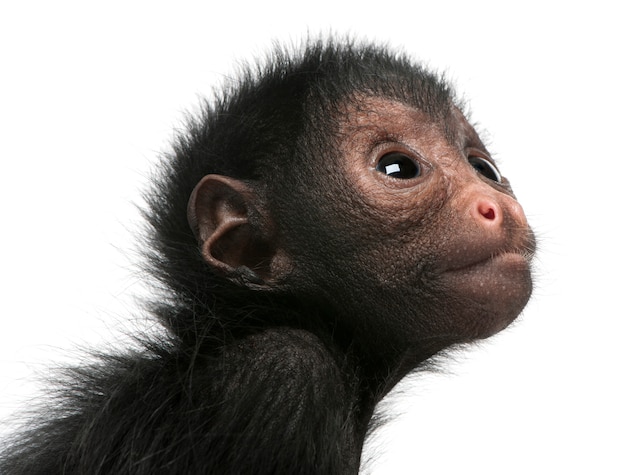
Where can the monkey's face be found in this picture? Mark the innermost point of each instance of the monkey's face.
(424, 237)
(399, 227)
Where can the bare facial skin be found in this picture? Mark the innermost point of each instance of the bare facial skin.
(432, 225)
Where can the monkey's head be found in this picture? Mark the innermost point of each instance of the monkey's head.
(344, 181)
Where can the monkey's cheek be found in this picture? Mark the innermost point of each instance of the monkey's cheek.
(493, 292)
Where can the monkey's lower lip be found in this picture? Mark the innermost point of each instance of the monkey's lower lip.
(512, 258)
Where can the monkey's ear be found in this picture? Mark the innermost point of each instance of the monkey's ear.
(231, 240)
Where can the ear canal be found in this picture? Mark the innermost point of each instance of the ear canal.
(230, 241)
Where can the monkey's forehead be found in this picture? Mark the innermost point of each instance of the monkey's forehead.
(381, 118)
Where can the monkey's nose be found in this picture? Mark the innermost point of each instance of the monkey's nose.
(491, 211)
(487, 211)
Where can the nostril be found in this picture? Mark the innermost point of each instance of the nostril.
(488, 210)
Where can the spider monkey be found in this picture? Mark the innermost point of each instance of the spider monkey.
(328, 222)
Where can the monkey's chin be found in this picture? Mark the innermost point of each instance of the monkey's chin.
(492, 292)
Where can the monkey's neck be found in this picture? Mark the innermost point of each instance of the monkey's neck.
(377, 377)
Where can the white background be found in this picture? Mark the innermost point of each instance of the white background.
(89, 95)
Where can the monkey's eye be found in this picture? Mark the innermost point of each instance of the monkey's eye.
(485, 168)
(398, 165)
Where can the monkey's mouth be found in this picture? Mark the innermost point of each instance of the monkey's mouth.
(517, 253)
(505, 259)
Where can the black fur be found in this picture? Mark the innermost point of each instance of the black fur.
(246, 381)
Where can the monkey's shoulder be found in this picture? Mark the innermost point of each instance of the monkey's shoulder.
(280, 392)
(264, 401)
(282, 360)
